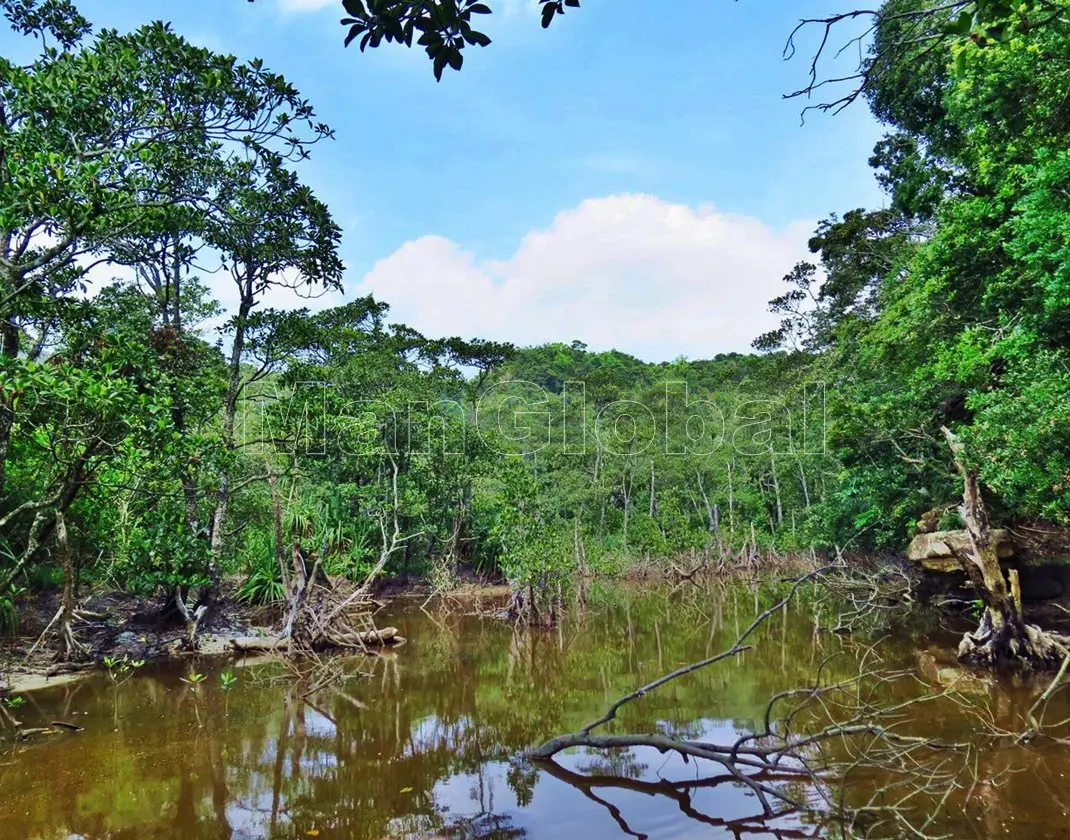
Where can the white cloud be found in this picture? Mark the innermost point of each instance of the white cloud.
(630, 272)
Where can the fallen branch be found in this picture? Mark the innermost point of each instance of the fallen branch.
(788, 764)
(385, 636)
(550, 749)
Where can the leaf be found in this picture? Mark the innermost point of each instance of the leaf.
(548, 12)
(997, 32)
(440, 64)
(406, 790)
(354, 31)
(962, 24)
(960, 63)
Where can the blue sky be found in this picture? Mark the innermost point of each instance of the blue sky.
(626, 178)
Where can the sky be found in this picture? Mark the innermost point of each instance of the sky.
(628, 178)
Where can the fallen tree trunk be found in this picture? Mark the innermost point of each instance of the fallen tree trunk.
(385, 637)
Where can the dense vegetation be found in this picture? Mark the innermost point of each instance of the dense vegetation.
(142, 448)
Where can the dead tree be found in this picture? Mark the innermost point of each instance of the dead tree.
(890, 33)
(1003, 637)
(325, 612)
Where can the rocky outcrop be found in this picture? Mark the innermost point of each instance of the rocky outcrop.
(935, 552)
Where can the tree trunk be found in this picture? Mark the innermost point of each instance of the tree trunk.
(230, 413)
(713, 514)
(776, 491)
(731, 504)
(653, 496)
(72, 648)
(9, 349)
(1003, 638)
(280, 547)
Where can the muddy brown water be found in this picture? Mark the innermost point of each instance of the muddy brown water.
(422, 742)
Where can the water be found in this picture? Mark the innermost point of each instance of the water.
(422, 742)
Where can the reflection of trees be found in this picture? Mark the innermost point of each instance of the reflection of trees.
(484, 827)
(353, 759)
(463, 693)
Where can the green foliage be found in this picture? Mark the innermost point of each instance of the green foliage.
(263, 582)
(176, 460)
(193, 679)
(121, 668)
(57, 19)
(950, 520)
(956, 307)
(9, 616)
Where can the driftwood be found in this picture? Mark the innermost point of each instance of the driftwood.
(26, 733)
(325, 613)
(386, 637)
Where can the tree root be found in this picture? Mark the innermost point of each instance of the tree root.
(1013, 645)
(70, 649)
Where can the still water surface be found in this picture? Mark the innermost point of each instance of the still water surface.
(421, 742)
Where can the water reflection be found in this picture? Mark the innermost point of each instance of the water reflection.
(422, 743)
(679, 794)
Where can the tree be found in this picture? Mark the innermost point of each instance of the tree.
(81, 412)
(947, 313)
(99, 133)
(273, 233)
(116, 151)
(443, 29)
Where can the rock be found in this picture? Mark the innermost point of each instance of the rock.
(129, 644)
(935, 552)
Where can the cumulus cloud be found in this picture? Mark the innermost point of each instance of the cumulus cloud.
(630, 272)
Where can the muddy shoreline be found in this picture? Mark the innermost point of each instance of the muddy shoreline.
(120, 625)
